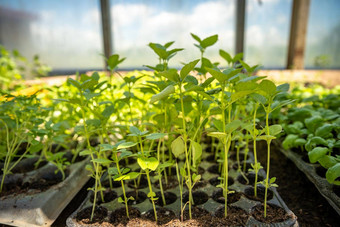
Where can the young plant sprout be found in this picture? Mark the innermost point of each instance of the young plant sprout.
(20, 117)
(144, 159)
(119, 152)
(269, 90)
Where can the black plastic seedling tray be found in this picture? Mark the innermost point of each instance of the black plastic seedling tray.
(316, 174)
(206, 192)
(41, 209)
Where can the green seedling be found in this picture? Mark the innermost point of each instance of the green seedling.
(119, 152)
(268, 91)
(178, 80)
(20, 116)
(146, 162)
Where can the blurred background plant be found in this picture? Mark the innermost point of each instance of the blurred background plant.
(14, 68)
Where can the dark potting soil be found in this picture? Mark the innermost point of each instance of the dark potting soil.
(215, 181)
(249, 192)
(247, 164)
(169, 197)
(172, 183)
(235, 217)
(232, 197)
(164, 215)
(44, 182)
(108, 196)
(199, 197)
(275, 214)
(143, 183)
(84, 216)
(138, 197)
(300, 195)
(250, 177)
(119, 218)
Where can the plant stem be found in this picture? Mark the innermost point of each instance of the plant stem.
(255, 154)
(160, 174)
(148, 178)
(268, 161)
(151, 192)
(123, 187)
(96, 167)
(186, 152)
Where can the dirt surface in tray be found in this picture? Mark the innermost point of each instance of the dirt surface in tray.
(300, 195)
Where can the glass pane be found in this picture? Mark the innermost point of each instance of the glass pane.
(267, 32)
(323, 35)
(65, 34)
(137, 22)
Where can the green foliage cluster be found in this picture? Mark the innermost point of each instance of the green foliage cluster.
(13, 67)
(157, 118)
(313, 127)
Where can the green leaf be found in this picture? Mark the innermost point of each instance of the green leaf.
(317, 153)
(196, 178)
(196, 37)
(73, 82)
(245, 65)
(275, 129)
(168, 44)
(238, 57)
(314, 141)
(102, 161)
(114, 61)
(178, 147)
(283, 87)
(126, 145)
(125, 153)
(148, 163)
(163, 94)
(85, 152)
(333, 173)
(129, 176)
(196, 152)
(151, 194)
(209, 41)
(108, 111)
(226, 56)
(155, 136)
(267, 138)
(120, 200)
(165, 165)
(90, 95)
(232, 126)
(258, 98)
(93, 122)
(159, 50)
(218, 124)
(135, 130)
(268, 87)
(272, 180)
(218, 75)
(220, 135)
(89, 168)
(328, 161)
(240, 94)
(88, 84)
(188, 68)
(171, 74)
(314, 122)
(112, 171)
(183, 172)
(324, 130)
(106, 147)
